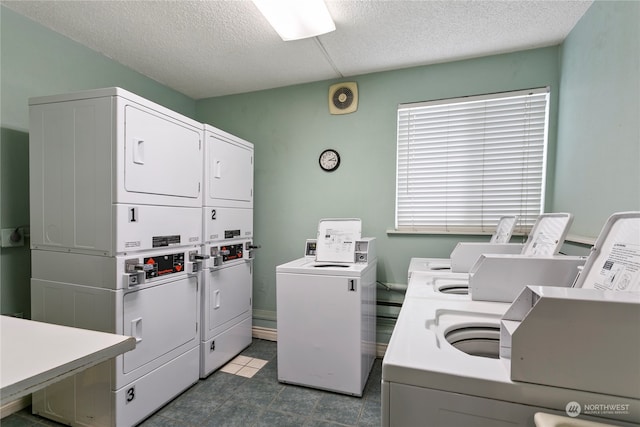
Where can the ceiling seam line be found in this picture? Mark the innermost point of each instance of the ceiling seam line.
(326, 55)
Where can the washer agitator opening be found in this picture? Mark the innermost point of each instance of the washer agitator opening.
(481, 341)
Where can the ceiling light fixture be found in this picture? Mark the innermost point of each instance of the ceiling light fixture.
(297, 19)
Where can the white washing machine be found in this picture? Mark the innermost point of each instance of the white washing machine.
(501, 277)
(226, 304)
(467, 251)
(428, 381)
(227, 218)
(326, 311)
(491, 364)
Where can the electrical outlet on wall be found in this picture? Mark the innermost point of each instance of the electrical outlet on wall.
(12, 237)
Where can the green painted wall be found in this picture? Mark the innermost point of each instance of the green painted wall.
(35, 61)
(598, 161)
(291, 126)
(594, 110)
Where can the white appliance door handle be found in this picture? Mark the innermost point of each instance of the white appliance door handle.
(138, 151)
(218, 169)
(217, 298)
(136, 329)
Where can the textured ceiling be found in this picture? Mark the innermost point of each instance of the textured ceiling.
(211, 48)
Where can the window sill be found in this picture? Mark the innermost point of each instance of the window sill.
(393, 231)
(573, 238)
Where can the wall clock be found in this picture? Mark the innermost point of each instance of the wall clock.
(329, 160)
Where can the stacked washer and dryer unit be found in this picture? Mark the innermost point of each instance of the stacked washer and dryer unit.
(116, 192)
(228, 235)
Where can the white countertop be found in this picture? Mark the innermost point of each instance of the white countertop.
(35, 354)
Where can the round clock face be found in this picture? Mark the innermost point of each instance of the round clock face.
(329, 160)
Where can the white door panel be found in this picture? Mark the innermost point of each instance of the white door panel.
(230, 171)
(228, 294)
(161, 156)
(161, 318)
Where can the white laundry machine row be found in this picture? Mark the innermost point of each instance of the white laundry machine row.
(546, 238)
(562, 350)
(153, 296)
(501, 277)
(110, 171)
(326, 311)
(227, 218)
(124, 195)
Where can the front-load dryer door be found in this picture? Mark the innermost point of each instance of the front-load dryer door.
(163, 319)
(229, 173)
(227, 297)
(162, 156)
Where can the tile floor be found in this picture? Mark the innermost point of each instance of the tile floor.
(254, 398)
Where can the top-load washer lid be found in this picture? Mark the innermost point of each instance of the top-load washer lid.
(614, 261)
(548, 234)
(504, 229)
(307, 265)
(336, 241)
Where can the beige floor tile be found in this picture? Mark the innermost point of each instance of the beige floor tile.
(231, 368)
(247, 372)
(241, 360)
(257, 363)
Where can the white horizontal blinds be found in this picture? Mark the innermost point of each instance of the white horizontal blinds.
(464, 163)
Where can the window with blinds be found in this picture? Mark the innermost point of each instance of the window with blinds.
(463, 163)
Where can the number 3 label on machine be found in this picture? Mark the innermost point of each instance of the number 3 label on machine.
(131, 394)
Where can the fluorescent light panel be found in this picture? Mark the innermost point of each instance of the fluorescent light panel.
(296, 19)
